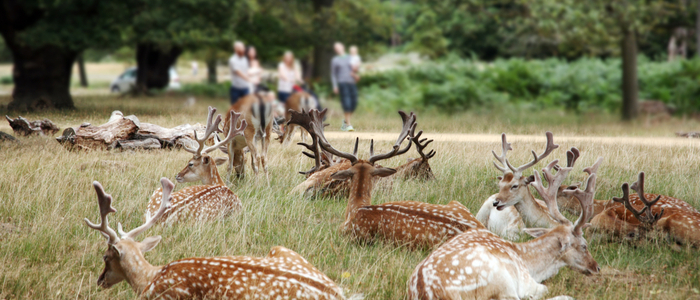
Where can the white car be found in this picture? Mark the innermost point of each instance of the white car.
(127, 80)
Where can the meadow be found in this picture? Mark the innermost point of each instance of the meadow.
(47, 252)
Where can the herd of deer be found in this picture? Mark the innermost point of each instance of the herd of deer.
(472, 258)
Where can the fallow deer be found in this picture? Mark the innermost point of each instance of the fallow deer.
(417, 167)
(281, 274)
(406, 222)
(478, 264)
(508, 212)
(674, 217)
(212, 199)
(298, 102)
(256, 109)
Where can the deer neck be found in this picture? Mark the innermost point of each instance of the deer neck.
(214, 177)
(360, 193)
(533, 214)
(138, 272)
(542, 256)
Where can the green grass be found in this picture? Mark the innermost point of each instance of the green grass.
(45, 193)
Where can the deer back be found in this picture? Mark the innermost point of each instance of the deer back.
(281, 274)
(200, 202)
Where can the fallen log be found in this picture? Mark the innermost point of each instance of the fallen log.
(24, 127)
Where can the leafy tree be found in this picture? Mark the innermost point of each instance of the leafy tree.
(45, 37)
(427, 36)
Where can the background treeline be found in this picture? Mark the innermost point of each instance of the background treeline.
(591, 35)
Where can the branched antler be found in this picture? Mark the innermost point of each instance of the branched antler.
(548, 150)
(165, 203)
(212, 127)
(105, 202)
(409, 124)
(316, 128)
(421, 144)
(645, 216)
(549, 195)
(505, 146)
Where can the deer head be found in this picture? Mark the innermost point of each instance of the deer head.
(645, 216)
(513, 186)
(362, 171)
(573, 248)
(124, 256)
(202, 166)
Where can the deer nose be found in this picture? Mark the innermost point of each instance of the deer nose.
(495, 203)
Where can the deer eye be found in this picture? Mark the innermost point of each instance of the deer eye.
(190, 165)
(514, 187)
(584, 247)
(105, 258)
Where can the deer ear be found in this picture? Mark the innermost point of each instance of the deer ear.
(536, 232)
(530, 179)
(220, 160)
(114, 247)
(205, 160)
(383, 172)
(499, 178)
(343, 175)
(149, 243)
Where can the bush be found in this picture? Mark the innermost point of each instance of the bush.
(6, 80)
(218, 90)
(587, 84)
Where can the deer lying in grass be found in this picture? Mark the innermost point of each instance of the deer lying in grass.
(319, 179)
(673, 217)
(256, 110)
(405, 222)
(298, 102)
(281, 274)
(514, 208)
(478, 264)
(212, 199)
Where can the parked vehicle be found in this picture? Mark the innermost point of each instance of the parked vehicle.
(127, 81)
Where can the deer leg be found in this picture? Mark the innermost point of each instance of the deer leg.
(253, 155)
(289, 131)
(263, 156)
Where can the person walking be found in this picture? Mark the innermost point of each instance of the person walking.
(255, 71)
(344, 84)
(288, 76)
(238, 64)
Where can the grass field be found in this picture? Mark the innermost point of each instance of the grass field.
(47, 252)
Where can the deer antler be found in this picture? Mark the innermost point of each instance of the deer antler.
(165, 203)
(549, 195)
(645, 216)
(548, 150)
(420, 144)
(232, 132)
(409, 124)
(585, 198)
(211, 128)
(316, 128)
(505, 146)
(594, 168)
(105, 202)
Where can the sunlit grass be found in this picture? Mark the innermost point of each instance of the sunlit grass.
(45, 193)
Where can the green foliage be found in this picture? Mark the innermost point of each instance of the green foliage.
(428, 38)
(582, 85)
(218, 90)
(6, 80)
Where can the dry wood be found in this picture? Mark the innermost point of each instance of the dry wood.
(24, 127)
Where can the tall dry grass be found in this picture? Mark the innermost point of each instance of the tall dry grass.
(46, 251)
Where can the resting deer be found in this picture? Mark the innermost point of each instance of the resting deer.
(478, 264)
(514, 207)
(281, 274)
(256, 109)
(672, 216)
(417, 167)
(212, 199)
(405, 222)
(299, 102)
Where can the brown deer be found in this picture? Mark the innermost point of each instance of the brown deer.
(406, 222)
(478, 264)
(417, 167)
(281, 274)
(299, 102)
(212, 199)
(256, 109)
(514, 207)
(672, 216)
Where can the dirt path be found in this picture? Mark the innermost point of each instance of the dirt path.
(492, 138)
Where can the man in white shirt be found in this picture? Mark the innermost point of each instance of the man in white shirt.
(238, 63)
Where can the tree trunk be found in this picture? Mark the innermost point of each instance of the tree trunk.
(323, 48)
(211, 70)
(153, 66)
(629, 75)
(42, 77)
(697, 30)
(81, 71)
